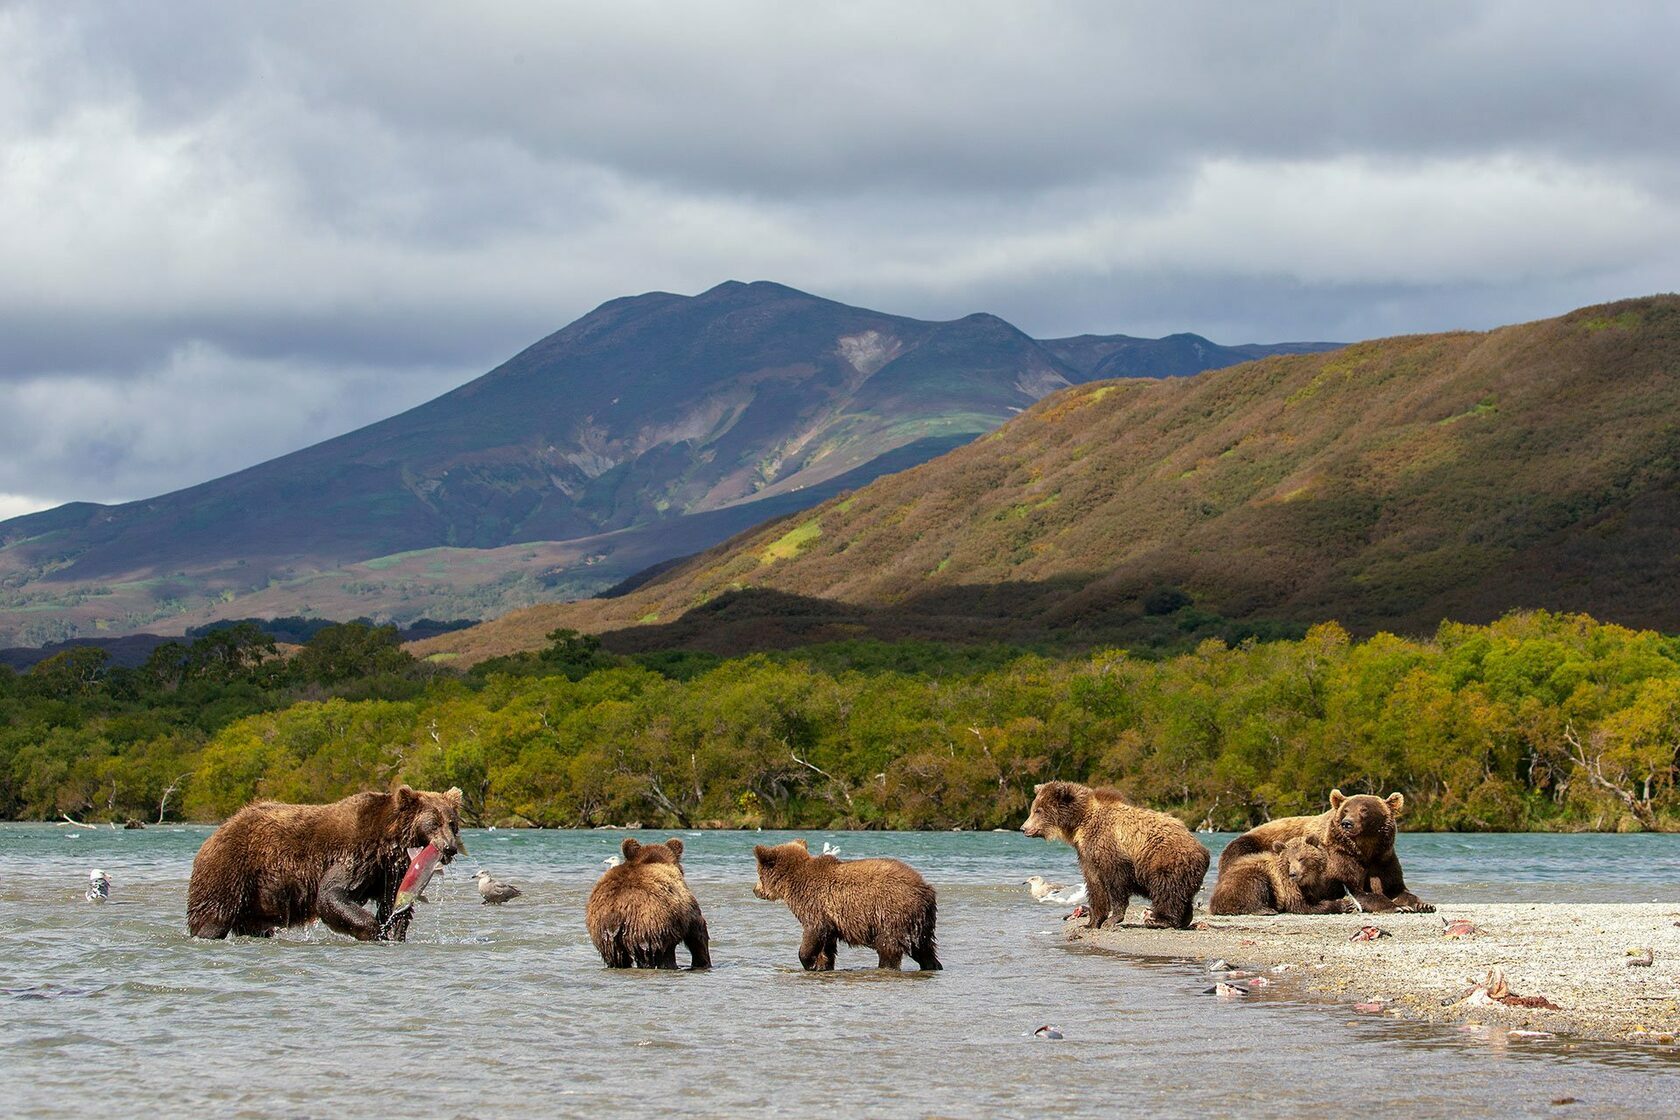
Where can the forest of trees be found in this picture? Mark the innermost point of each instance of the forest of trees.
(1538, 721)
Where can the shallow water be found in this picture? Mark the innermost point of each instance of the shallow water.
(489, 1012)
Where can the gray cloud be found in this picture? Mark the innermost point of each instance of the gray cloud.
(236, 230)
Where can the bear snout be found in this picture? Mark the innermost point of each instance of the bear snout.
(1032, 827)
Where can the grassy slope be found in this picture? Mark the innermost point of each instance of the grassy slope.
(1388, 484)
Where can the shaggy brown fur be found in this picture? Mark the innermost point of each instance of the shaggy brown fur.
(1123, 850)
(641, 910)
(270, 865)
(1287, 879)
(879, 903)
(1358, 836)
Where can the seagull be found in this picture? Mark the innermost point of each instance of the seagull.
(1067, 897)
(1054, 894)
(830, 849)
(99, 886)
(494, 893)
(1040, 889)
(612, 861)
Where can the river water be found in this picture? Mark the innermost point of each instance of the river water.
(112, 1010)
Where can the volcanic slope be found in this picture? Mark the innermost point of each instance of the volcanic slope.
(1389, 484)
(652, 427)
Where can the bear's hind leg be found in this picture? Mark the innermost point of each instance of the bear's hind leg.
(891, 958)
(699, 945)
(208, 928)
(926, 955)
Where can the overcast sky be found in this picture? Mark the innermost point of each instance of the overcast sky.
(230, 232)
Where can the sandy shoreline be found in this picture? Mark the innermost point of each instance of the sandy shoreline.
(1573, 955)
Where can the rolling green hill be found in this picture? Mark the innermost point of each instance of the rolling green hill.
(1388, 484)
(652, 427)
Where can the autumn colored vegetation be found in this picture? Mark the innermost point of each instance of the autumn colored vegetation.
(1389, 484)
(1537, 721)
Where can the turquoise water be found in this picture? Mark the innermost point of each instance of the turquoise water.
(500, 1012)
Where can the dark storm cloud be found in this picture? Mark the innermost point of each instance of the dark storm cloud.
(235, 229)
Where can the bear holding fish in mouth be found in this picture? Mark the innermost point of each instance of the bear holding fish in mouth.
(272, 865)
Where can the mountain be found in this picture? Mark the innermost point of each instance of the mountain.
(1389, 484)
(1098, 356)
(654, 426)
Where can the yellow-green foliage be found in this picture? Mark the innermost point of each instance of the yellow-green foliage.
(789, 543)
(1537, 721)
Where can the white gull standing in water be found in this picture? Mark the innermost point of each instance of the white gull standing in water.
(494, 892)
(99, 886)
(1054, 894)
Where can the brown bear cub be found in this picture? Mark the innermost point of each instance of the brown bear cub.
(1358, 837)
(641, 910)
(1123, 850)
(882, 904)
(270, 865)
(1284, 880)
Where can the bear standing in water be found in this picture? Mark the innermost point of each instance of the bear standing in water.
(1123, 850)
(1287, 879)
(1358, 837)
(271, 865)
(879, 903)
(641, 910)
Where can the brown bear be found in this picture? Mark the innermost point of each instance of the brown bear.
(642, 909)
(1123, 850)
(1286, 879)
(270, 865)
(879, 903)
(1358, 836)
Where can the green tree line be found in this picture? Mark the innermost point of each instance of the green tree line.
(1538, 721)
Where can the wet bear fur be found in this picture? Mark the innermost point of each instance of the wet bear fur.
(641, 910)
(1358, 836)
(272, 865)
(882, 904)
(1287, 879)
(1123, 850)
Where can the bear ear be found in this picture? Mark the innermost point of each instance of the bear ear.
(630, 847)
(762, 854)
(1396, 803)
(802, 844)
(676, 846)
(1313, 841)
(1277, 845)
(1040, 786)
(453, 794)
(403, 794)
(1336, 799)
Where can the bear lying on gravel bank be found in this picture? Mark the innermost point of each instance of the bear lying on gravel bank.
(641, 910)
(271, 865)
(1358, 836)
(879, 903)
(1287, 880)
(1123, 850)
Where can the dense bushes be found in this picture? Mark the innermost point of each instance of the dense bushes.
(1538, 721)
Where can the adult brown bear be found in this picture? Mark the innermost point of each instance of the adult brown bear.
(641, 910)
(1293, 877)
(880, 903)
(1123, 850)
(1358, 835)
(272, 865)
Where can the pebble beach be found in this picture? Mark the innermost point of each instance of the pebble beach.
(1581, 958)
